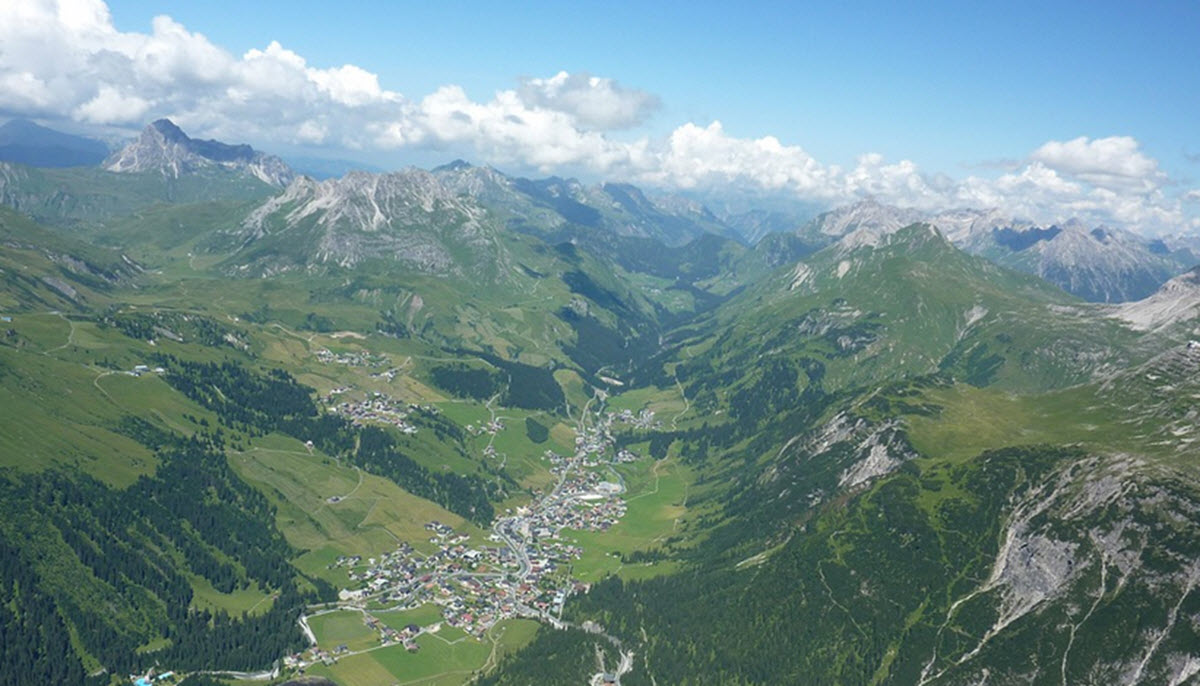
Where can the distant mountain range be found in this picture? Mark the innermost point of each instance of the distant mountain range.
(24, 142)
(1101, 264)
(321, 168)
(542, 205)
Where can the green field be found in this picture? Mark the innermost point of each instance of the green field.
(656, 498)
(251, 600)
(667, 404)
(973, 420)
(343, 627)
(444, 659)
(423, 616)
(61, 411)
(371, 516)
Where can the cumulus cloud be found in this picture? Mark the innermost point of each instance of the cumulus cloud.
(695, 155)
(64, 58)
(592, 101)
(1042, 193)
(111, 106)
(1116, 162)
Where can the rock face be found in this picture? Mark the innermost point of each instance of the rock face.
(846, 452)
(163, 147)
(408, 217)
(867, 217)
(1081, 553)
(1177, 301)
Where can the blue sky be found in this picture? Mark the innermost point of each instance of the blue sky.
(944, 84)
(1045, 109)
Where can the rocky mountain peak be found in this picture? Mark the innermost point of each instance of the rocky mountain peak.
(870, 215)
(164, 148)
(453, 166)
(169, 131)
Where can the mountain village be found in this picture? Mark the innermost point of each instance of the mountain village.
(523, 568)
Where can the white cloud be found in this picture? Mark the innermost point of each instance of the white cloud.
(695, 156)
(65, 58)
(22, 91)
(349, 85)
(1116, 162)
(111, 106)
(594, 102)
(313, 132)
(505, 130)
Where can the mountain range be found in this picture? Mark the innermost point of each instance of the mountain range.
(1100, 264)
(457, 426)
(25, 142)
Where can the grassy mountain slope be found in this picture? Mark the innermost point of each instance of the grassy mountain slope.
(86, 197)
(929, 517)
(859, 315)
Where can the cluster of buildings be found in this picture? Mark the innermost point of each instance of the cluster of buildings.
(406, 635)
(387, 374)
(312, 656)
(592, 443)
(474, 587)
(583, 502)
(642, 420)
(477, 586)
(523, 570)
(139, 369)
(359, 358)
(491, 428)
(377, 408)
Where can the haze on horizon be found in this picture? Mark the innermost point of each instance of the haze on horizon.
(1045, 112)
